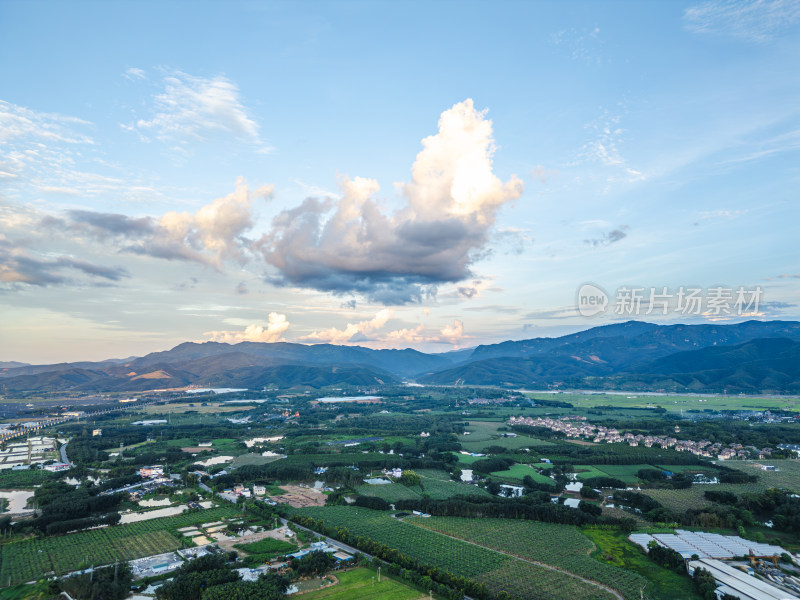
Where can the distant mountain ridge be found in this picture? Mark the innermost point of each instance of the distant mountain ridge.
(755, 356)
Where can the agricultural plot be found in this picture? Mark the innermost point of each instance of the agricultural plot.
(561, 546)
(694, 497)
(362, 584)
(485, 433)
(587, 471)
(497, 570)
(626, 473)
(674, 403)
(435, 484)
(518, 472)
(787, 475)
(30, 559)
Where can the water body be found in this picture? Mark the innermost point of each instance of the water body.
(17, 500)
(217, 460)
(216, 390)
(260, 440)
(377, 481)
(347, 399)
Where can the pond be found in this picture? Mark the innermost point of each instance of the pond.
(17, 500)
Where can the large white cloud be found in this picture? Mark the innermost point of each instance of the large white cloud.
(351, 330)
(351, 245)
(277, 325)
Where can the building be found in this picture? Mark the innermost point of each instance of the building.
(58, 467)
(97, 432)
(737, 583)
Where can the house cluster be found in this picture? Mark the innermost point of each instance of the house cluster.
(577, 427)
(152, 472)
(396, 473)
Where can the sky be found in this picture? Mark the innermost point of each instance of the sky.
(433, 175)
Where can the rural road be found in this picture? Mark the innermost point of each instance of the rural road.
(64, 458)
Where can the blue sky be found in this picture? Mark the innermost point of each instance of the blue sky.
(433, 175)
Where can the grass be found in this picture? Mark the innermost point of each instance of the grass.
(362, 584)
(518, 472)
(24, 479)
(615, 549)
(674, 403)
(587, 471)
(23, 591)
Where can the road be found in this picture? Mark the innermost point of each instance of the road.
(330, 541)
(64, 458)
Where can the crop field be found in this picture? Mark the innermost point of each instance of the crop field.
(30, 559)
(435, 484)
(788, 475)
(626, 473)
(587, 471)
(24, 479)
(558, 545)
(675, 403)
(485, 433)
(518, 471)
(694, 497)
(499, 571)
(362, 584)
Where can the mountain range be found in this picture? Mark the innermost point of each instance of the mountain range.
(755, 356)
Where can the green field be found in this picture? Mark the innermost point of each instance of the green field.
(486, 433)
(362, 584)
(497, 570)
(615, 549)
(626, 473)
(24, 479)
(674, 403)
(587, 471)
(558, 545)
(31, 559)
(518, 472)
(435, 484)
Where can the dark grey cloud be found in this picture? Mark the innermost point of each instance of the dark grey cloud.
(105, 224)
(19, 266)
(609, 238)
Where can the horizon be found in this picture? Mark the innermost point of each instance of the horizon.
(507, 172)
(235, 343)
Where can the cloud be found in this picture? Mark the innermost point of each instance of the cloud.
(352, 330)
(19, 266)
(350, 245)
(452, 333)
(750, 20)
(192, 109)
(277, 325)
(134, 74)
(604, 149)
(213, 234)
(609, 238)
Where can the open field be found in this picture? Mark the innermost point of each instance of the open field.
(435, 484)
(362, 584)
(31, 559)
(498, 570)
(676, 402)
(561, 546)
(485, 433)
(297, 496)
(518, 471)
(614, 548)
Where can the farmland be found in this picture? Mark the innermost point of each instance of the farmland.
(499, 571)
(434, 484)
(31, 558)
(362, 584)
(561, 546)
